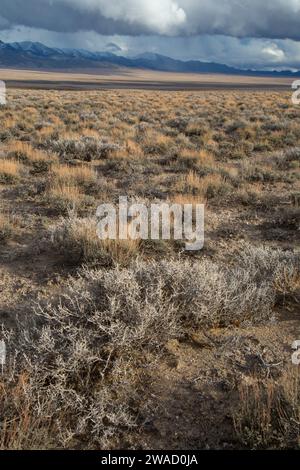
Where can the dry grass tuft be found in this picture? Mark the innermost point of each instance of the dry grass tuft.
(207, 187)
(77, 239)
(24, 152)
(5, 228)
(64, 196)
(9, 171)
(83, 176)
(197, 159)
(269, 413)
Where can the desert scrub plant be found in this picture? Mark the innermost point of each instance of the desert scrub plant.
(281, 267)
(77, 239)
(74, 393)
(238, 128)
(10, 171)
(265, 262)
(8, 129)
(252, 172)
(190, 183)
(199, 294)
(268, 415)
(83, 356)
(289, 219)
(248, 195)
(41, 163)
(209, 294)
(83, 148)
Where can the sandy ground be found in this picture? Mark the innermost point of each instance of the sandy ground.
(135, 79)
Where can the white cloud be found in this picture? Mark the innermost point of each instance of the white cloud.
(273, 53)
(159, 16)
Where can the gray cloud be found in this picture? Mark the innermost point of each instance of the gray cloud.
(3, 23)
(239, 18)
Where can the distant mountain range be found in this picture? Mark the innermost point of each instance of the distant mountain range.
(37, 56)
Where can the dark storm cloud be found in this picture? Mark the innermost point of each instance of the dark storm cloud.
(59, 16)
(240, 18)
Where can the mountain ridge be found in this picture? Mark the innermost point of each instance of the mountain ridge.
(35, 55)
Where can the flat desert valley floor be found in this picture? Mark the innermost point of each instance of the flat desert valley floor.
(125, 78)
(139, 344)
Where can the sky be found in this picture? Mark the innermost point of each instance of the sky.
(243, 33)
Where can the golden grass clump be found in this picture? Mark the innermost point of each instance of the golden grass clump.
(193, 159)
(24, 152)
(9, 171)
(77, 239)
(74, 175)
(64, 196)
(208, 187)
(154, 142)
